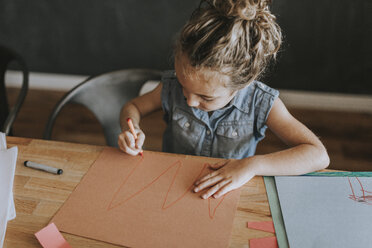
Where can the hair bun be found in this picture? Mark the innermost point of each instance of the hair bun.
(248, 13)
(243, 9)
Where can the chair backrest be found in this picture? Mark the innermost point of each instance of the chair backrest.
(7, 116)
(105, 95)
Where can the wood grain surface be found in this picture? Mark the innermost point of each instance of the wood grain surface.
(38, 195)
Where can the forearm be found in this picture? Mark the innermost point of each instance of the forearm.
(129, 110)
(297, 160)
(232, 174)
(139, 107)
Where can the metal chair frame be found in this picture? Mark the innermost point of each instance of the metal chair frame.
(104, 95)
(7, 117)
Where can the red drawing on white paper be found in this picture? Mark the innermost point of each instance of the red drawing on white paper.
(358, 192)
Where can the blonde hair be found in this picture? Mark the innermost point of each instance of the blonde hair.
(237, 38)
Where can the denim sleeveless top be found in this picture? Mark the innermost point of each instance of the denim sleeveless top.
(231, 132)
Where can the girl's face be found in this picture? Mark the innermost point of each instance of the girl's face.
(204, 89)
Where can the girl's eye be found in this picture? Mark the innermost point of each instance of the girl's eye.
(208, 99)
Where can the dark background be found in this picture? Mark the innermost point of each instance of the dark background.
(327, 43)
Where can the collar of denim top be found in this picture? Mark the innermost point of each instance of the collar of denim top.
(240, 101)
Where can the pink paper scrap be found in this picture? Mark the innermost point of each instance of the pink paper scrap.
(50, 237)
(267, 242)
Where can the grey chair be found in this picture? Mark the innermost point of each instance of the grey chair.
(7, 115)
(104, 96)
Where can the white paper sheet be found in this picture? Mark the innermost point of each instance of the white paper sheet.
(12, 212)
(2, 141)
(8, 160)
(326, 211)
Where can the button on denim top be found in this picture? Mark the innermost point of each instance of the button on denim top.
(230, 132)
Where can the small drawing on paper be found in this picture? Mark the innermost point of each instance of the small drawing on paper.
(358, 192)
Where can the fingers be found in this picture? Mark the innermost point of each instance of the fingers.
(225, 189)
(219, 186)
(140, 139)
(214, 173)
(231, 174)
(129, 139)
(121, 142)
(206, 177)
(127, 143)
(211, 181)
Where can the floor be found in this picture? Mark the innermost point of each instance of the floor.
(346, 135)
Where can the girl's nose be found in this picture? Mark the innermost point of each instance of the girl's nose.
(192, 101)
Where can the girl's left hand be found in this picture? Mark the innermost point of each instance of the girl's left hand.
(229, 175)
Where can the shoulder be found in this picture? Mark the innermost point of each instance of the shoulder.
(169, 81)
(171, 94)
(168, 76)
(255, 95)
(264, 89)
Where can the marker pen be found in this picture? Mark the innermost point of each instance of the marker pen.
(43, 167)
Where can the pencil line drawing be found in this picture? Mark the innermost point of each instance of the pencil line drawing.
(178, 164)
(365, 197)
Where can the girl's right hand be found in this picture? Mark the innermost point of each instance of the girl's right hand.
(130, 145)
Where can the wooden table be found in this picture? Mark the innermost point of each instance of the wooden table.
(38, 195)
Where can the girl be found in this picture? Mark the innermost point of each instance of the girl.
(215, 107)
